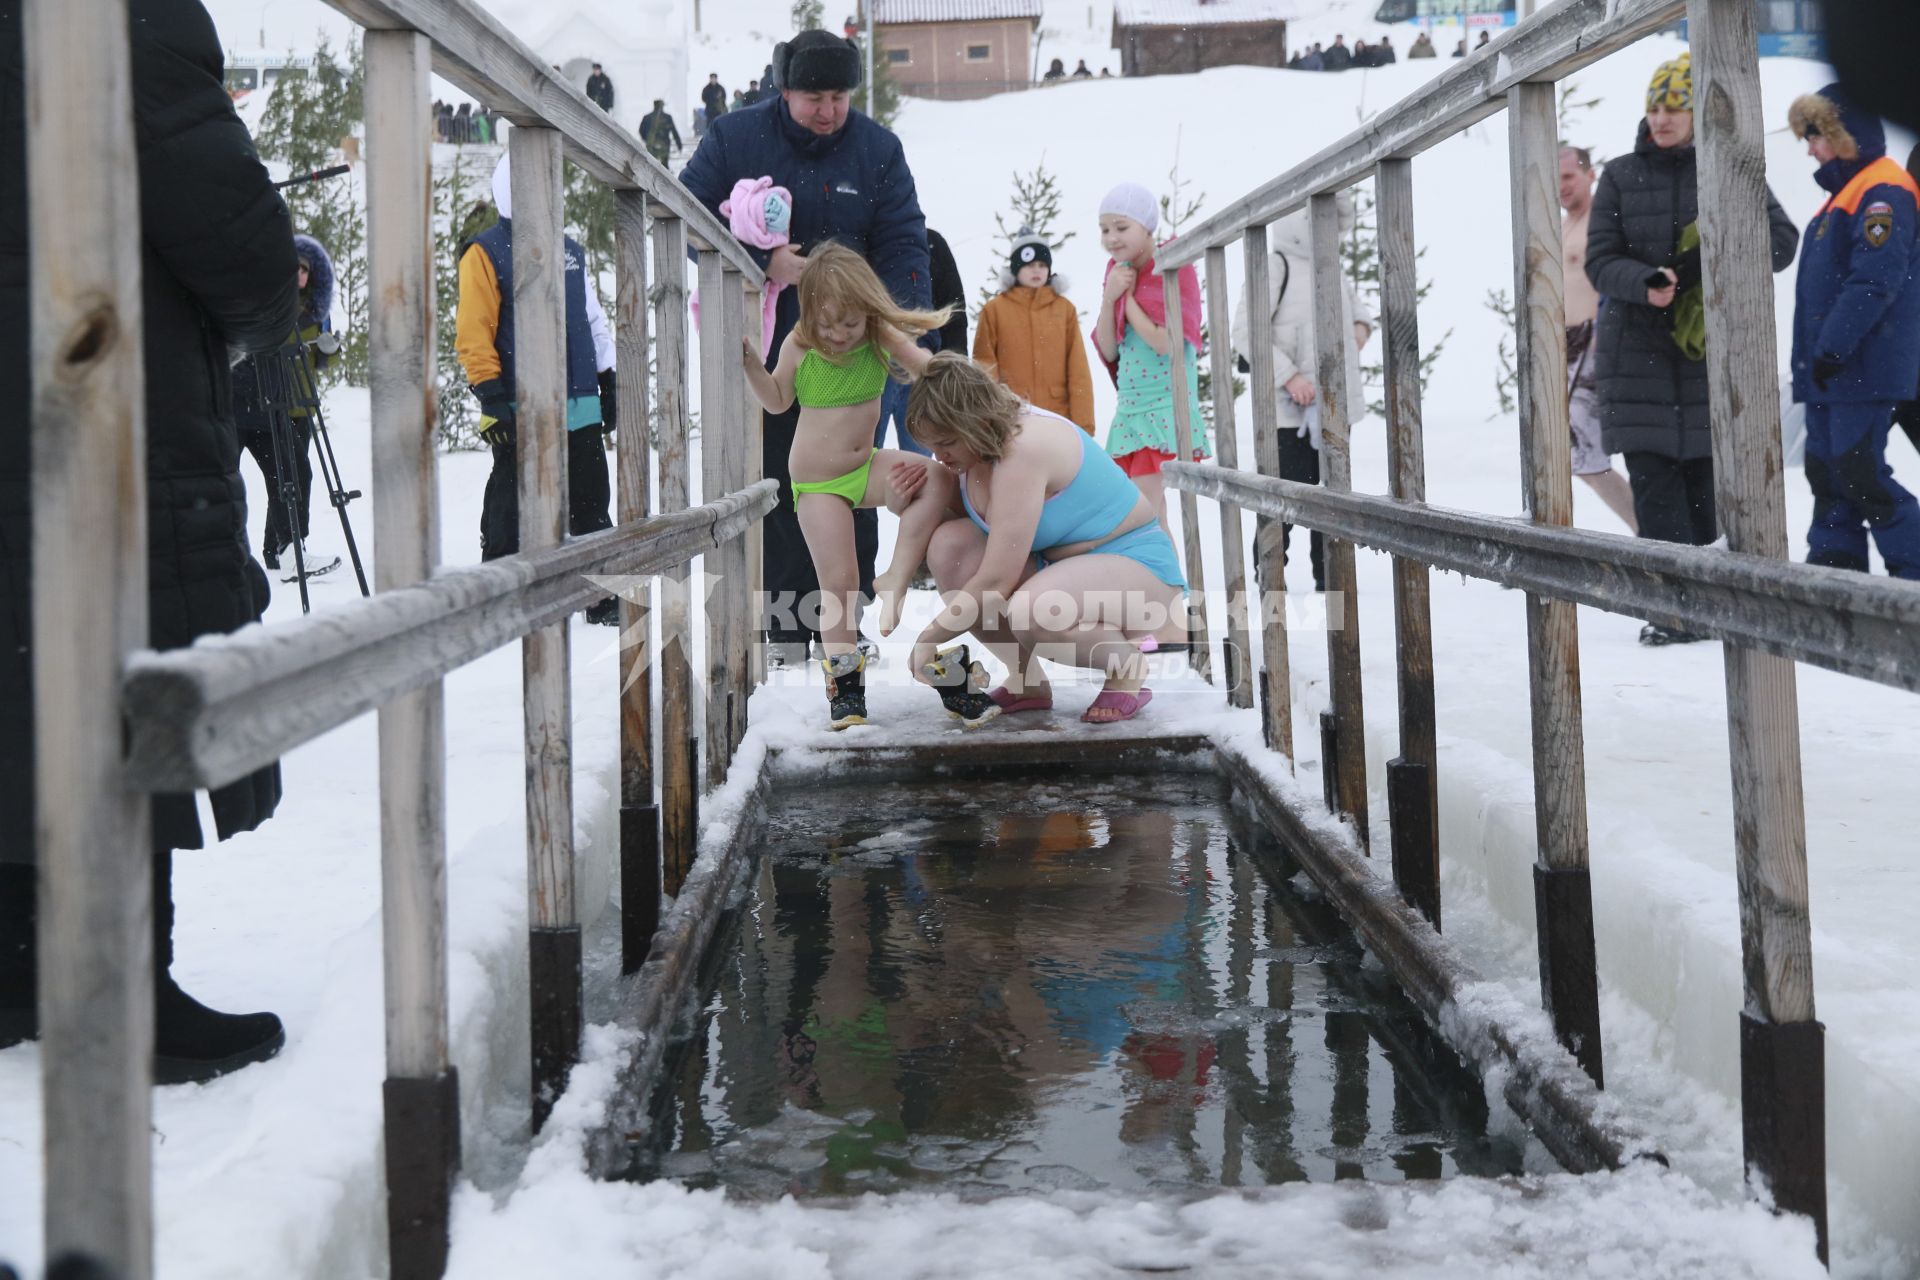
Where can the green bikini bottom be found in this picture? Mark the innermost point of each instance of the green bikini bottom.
(851, 486)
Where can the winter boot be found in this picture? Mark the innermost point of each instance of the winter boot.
(193, 1044)
(846, 689)
(19, 1016)
(962, 686)
(604, 612)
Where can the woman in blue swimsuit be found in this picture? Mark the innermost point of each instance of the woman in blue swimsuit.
(1053, 552)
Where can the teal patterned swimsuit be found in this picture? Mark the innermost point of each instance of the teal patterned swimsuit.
(1144, 419)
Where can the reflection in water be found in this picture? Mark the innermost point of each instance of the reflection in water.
(1043, 987)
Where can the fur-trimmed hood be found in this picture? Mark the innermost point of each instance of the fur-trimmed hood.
(1854, 133)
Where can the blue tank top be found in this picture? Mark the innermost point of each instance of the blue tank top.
(1093, 505)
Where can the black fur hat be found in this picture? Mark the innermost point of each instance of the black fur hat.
(816, 61)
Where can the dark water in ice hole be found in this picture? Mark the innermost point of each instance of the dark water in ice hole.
(1030, 987)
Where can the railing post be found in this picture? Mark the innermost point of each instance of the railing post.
(1276, 681)
(719, 369)
(540, 389)
(1782, 1051)
(738, 586)
(639, 814)
(1236, 652)
(679, 792)
(1412, 803)
(1199, 627)
(90, 518)
(1333, 333)
(1563, 893)
(422, 1091)
(754, 424)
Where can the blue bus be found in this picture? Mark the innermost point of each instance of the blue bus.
(1788, 29)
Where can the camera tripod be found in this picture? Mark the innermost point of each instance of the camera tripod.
(288, 383)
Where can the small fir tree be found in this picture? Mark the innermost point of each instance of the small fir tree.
(1035, 207)
(1506, 377)
(1360, 259)
(806, 14)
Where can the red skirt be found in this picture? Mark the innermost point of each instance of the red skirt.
(1143, 462)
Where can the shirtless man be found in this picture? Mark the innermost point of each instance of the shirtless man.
(1590, 460)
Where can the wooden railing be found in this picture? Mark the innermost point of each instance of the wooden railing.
(1769, 613)
(117, 723)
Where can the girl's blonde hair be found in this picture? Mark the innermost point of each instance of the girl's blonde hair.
(838, 279)
(957, 400)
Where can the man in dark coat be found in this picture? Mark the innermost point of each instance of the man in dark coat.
(950, 292)
(202, 293)
(659, 133)
(1653, 396)
(1339, 57)
(713, 96)
(1856, 335)
(850, 183)
(600, 89)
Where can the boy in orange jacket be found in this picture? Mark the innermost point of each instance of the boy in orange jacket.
(1030, 336)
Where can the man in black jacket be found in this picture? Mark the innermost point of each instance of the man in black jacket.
(659, 133)
(851, 183)
(713, 95)
(600, 89)
(201, 294)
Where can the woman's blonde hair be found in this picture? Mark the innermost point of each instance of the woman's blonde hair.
(957, 400)
(838, 279)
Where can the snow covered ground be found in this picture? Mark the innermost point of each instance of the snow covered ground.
(277, 1170)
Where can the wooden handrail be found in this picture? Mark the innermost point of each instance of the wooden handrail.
(1850, 623)
(472, 49)
(1555, 42)
(205, 715)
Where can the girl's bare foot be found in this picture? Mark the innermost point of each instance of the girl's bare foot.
(890, 593)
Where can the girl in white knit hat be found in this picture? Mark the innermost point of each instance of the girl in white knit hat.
(1132, 338)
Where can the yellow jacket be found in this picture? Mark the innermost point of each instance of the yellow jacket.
(1031, 340)
(478, 319)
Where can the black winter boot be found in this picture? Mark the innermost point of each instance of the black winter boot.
(962, 686)
(846, 689)
(193, 1044)
(19, 1017)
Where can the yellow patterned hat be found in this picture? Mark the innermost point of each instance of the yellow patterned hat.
(1672, 85)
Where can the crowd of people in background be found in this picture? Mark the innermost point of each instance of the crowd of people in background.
(465, 124)
(1057, 71)
(1338, 57)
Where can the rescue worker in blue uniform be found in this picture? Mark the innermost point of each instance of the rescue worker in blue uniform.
(1856, 335)
(485, 343)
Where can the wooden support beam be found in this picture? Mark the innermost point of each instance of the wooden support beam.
(1571, 35)
(1412, 775)
(719, 369)
(89, 466)
(1269, 551)
(1199, 626)
(421, 1093)
(476, 51)
(1781, 1051)
(1333, 338)
(738, 586)
(1563, 897)
(1236, 652)
(754, 423)
(679, 791)
(540, 393)
(639, 811)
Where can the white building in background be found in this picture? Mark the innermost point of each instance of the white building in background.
(641, 44)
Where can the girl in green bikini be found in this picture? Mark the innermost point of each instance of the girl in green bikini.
(835, 363)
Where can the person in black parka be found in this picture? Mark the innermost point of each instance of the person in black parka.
(1653, 396)
(850, 183)
(217, 272)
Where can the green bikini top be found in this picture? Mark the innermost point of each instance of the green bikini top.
(824, 383)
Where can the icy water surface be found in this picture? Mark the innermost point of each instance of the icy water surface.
(1030, 987)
